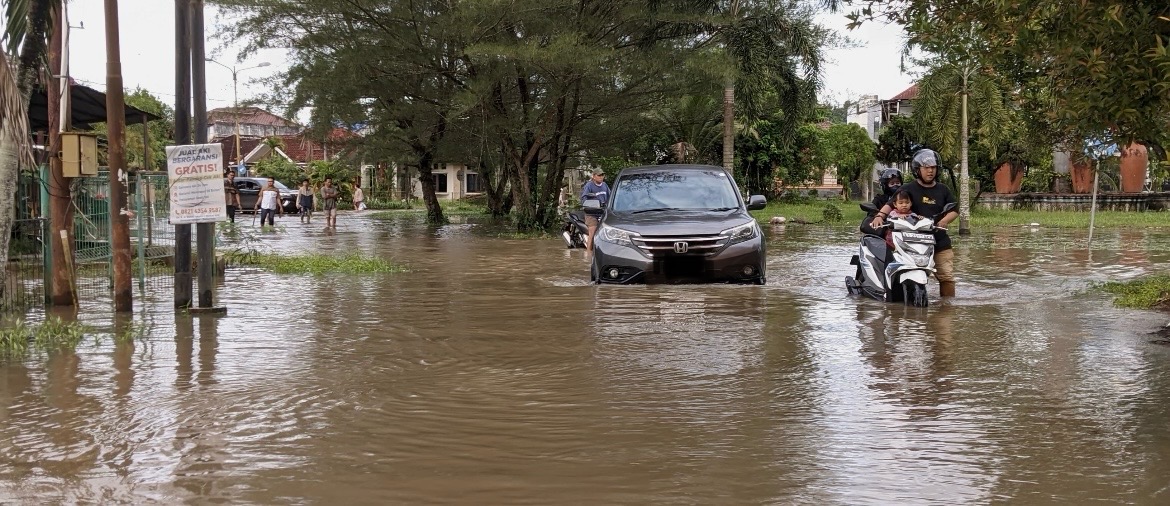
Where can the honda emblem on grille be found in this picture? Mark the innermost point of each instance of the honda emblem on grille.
(681, 247)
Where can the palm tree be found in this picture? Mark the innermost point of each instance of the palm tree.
(944, 117)
(26, 26)
(769, 46)
(693, 125)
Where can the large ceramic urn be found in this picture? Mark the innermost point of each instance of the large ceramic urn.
(1134, 160)
(1008, 179)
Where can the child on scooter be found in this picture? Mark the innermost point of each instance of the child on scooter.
(902, 202)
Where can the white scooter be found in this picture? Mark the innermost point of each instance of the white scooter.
(897, 275)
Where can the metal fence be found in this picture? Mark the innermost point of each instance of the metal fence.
(152, 239)
(24, 280)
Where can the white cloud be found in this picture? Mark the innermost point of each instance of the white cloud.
(147, 40)
(872, 69)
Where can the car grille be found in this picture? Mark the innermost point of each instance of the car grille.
(659, 245)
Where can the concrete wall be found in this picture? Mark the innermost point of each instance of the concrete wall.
(1076, 202)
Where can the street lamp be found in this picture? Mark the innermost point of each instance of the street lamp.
(236, 101)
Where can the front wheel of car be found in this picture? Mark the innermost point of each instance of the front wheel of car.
(594, 272)
(760, 281)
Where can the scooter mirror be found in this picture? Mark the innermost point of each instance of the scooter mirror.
(869, 208)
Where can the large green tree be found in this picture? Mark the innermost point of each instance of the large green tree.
(147, 153)
(1089, 69)
(851, 151)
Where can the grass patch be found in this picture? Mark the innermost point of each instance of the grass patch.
(461, 207)
(991, 218)
(318, 263)
(539, 234)
(1144, 293)
(384, 204)
(53, 334)
(851, 213)
(812, 212)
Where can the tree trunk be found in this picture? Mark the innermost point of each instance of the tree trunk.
(9, 172)
(430, 200)
(964, 175)
(729, 128)
(495, 186)
(865, 182)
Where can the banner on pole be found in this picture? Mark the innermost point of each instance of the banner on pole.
(195, 172)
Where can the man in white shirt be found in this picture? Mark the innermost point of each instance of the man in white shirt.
(268, 203)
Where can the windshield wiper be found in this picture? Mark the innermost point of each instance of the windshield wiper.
(656, 209)
(718, 209)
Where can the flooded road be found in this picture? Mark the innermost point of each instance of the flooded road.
(492, 373)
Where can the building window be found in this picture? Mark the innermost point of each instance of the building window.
(440, 183)
(474, 184)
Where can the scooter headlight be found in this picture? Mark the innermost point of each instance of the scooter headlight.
(920, 259)
(617, 236)
(742, 233)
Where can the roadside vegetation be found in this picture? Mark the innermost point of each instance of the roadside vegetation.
(1145, 293)
(814, 211)
(388, 208)
(20, 338)
(320, 263)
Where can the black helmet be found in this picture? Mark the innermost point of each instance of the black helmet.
(924, 158)
(885, 178)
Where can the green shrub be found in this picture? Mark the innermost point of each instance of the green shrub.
(832, 213)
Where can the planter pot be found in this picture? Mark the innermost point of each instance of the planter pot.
(1008, 180)
(1081, 173)
(1134, 160)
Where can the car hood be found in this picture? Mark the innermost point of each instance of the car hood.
(677, 222)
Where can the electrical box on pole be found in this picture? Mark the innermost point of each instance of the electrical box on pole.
(78, 154)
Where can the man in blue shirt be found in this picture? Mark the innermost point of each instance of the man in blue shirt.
(595, 188)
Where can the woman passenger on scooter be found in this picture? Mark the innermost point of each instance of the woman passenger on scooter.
(929, 197)
(890, 180)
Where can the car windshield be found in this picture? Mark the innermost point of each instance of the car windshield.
(280, 186)
(674, 190)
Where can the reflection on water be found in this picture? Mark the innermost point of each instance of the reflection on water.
(492, 373)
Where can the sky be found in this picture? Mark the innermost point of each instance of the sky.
(147, 36)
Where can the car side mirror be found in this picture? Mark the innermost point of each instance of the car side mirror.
(757, 202)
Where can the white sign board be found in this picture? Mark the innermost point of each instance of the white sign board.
(196, 183)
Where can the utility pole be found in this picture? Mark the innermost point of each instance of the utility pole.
(204, 232)
(236, 101)
(60, 210)
(183, 287)
(116, 125)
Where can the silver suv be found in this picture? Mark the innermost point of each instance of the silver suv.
(678, 223)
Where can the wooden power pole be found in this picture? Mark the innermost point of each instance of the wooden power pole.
(60, 210)
(183, 280)
(116, 128)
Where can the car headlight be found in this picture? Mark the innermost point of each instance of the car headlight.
(617, 235)
(742, 233)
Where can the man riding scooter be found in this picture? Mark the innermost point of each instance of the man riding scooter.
(929, 198)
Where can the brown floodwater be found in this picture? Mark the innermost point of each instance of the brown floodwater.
(493, 373)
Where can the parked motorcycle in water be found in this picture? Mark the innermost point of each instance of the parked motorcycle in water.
(900, 274)
(575, 231)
